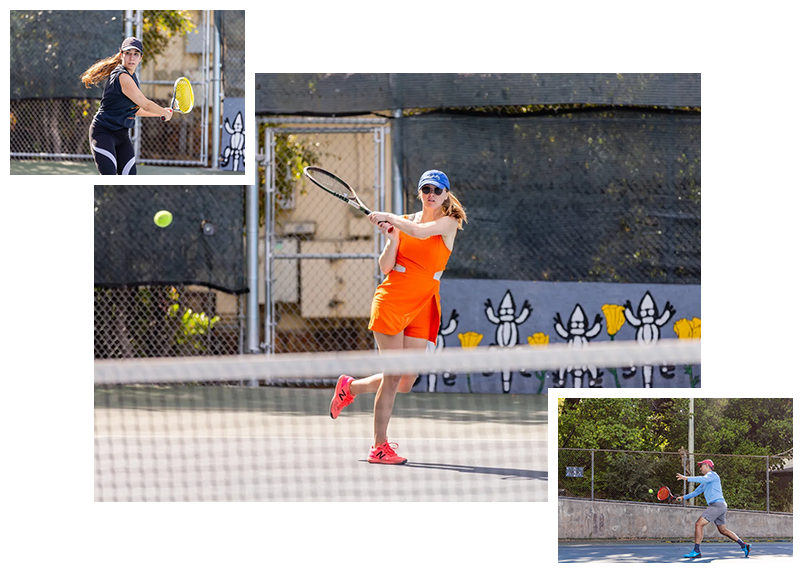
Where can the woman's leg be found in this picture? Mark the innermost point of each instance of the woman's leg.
(389, 384)
(371, 384)
(386, 391)
(104, 150)
(366, 385)
(126, 161)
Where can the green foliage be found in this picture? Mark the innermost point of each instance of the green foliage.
(194, 327)
(293, 154)
(158, 26)
(627, 424)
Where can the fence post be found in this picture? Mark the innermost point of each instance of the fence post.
(768, 483)
(592, 474)
(684, 482)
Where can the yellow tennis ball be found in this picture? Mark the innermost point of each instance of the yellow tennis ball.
(651, 491)
(163, 218)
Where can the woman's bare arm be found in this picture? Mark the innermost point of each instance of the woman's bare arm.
(146, 106)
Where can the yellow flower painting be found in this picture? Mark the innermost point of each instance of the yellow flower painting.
(538, 339)
(686, 329)
(614, 318)
(469, 339)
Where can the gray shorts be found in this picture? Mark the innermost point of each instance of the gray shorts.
(716, 513)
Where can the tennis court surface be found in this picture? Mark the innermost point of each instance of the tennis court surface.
(88, 168)
(208, 443)
(666, 552)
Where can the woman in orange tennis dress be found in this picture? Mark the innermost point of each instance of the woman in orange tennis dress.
(406, 310)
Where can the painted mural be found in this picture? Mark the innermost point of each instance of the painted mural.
(510, 313)
(232, 141)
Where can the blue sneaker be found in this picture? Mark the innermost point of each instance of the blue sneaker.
(693, 554)
(746, 550)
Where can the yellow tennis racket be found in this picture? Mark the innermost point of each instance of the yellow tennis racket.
(182, 99)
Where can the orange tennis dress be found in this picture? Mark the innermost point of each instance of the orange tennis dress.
(409, 298)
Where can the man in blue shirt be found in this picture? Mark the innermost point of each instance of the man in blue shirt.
(711, 487)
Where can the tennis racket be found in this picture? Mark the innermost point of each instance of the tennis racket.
(182, 99)
(332, 184)
(664, 493)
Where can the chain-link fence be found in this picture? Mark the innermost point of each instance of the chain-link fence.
(322, 253)
(167, 321)
(589, 195)
(169, 291)
(748, 482)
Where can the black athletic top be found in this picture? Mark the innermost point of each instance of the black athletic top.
(116, 110)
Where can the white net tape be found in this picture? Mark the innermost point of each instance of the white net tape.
(462, 360)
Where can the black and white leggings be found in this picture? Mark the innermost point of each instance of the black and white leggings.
(113, 151)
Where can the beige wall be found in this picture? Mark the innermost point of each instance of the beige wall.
(173, 63)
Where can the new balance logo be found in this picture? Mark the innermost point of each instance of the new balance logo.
(342, 395)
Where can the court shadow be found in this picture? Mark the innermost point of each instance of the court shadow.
(505, 473)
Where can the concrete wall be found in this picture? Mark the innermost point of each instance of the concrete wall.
(612, 520)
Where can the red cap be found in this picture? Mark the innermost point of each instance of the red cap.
(706, 461)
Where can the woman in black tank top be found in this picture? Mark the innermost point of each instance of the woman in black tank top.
(122, 100)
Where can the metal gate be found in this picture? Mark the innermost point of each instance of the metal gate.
(321, 254)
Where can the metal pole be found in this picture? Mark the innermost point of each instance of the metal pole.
(592, 474)
(216, 99)
(252, 252)
(397, 199)
(768, 483)
(129, 23)
(252, 238)
(685, 461)
(208, 30)
(691, 434)
(128, 32)
(267, 154)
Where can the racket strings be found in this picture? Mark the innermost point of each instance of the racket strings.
(184, 96)
(331, 183)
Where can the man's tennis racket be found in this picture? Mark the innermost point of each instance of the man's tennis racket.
(182, 99)
(332, 184)
(664, 493)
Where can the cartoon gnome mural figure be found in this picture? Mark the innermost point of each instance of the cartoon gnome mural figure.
(507, 330)
(234, 151)
(448, 378)
(648, 331)
(577, 334)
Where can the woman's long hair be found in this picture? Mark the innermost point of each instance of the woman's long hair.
(101, 69)
(453, 208)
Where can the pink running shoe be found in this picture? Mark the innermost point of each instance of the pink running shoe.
(343, 396)
(384, 454)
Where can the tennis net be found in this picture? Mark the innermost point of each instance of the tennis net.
(257, 427)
